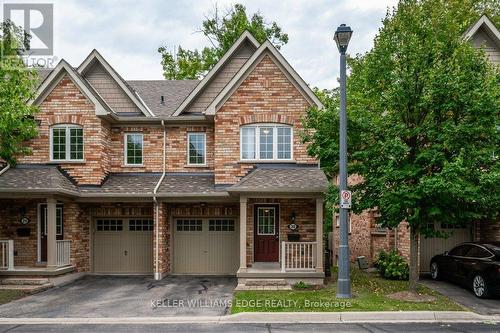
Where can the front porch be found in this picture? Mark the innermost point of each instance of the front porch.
(282, 242)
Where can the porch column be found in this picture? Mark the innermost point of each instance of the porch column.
(51, 233)
(243, 234)
(319, 234)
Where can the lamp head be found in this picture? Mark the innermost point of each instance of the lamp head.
(342, 37)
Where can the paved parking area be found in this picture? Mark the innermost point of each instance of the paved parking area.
(464, 297)
(116, 296)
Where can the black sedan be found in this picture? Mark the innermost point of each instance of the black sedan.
(472, 265)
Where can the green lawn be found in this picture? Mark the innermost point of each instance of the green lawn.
(369, 294)
(7, 296)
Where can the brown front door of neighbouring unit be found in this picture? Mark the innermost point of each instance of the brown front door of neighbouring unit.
(43, 229)
(266, 226)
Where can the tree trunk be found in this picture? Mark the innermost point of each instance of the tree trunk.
(413, 259)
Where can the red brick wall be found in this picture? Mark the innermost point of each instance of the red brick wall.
(66, 104)
(76, 222)
(162, 218)
(152, 149)
(488, 230)
(177, 148)
(266, 95)
(305, 217)
(25, 248)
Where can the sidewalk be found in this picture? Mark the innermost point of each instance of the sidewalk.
(283, 317)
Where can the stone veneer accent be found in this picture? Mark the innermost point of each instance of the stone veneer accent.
(162, 218)
(266, 95)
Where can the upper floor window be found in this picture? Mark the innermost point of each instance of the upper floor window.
(196, 148)
(66, 143)
(266, 142)
(133, 148)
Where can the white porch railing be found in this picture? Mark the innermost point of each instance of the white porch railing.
(298, 256)
(63, 252)
(7, 254)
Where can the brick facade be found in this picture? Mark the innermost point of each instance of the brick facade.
(266, 95)
(177, 148)
(67, 105)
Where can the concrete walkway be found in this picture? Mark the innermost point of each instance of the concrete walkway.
(282, 317)
(464, 297)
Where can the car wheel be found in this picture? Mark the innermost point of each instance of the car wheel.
(479, 286)
(435, 271)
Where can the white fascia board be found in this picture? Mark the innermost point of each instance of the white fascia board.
(250, 65)
(95, 55)
(53, 79)
(486, 22)
(244, 36)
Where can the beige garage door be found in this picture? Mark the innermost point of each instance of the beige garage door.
(429, 247)
(205, 246)
(123, 246)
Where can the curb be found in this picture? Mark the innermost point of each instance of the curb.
(282, 317)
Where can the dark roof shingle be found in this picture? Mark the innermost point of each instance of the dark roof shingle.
(283, 179)
(36, 178)
(125, 183)
(174, 92)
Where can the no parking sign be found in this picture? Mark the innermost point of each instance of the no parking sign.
(345, 199)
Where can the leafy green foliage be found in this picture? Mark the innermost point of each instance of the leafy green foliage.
(423, 109)
(17, 86)
(222, 31)
(392, 266)
(301, 285)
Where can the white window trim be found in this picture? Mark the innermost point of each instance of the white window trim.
(125, 154)
(204, 164)
(68, 143)
(275, 158)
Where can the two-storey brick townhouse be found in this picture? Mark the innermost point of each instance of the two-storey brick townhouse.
(367, 239)
(168, 177)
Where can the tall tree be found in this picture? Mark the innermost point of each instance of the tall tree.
(222, 31)
(17, 85)
(423, 108)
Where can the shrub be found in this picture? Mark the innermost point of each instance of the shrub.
(301, 285)
(392, 266)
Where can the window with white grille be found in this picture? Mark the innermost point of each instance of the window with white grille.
(109, 225)
(221, 225)
(189, 225)
(140, 225)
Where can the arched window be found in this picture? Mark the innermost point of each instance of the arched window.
(266, 142)
(66, 143)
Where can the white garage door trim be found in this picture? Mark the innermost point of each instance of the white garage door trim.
(122, 245)
(205, 246)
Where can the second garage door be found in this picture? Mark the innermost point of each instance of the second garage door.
(205, 246)
(123, 246)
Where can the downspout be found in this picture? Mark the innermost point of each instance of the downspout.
(157, 274)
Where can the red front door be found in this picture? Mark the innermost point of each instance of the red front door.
(266, 227)
(43, 229)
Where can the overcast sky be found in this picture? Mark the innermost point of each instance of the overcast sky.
(128, 33)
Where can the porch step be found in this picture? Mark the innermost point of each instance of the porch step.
(26, 288)
(24, 281)
(265, 282)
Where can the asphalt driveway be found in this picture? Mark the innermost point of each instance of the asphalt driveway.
(114, 296)
(464, 297)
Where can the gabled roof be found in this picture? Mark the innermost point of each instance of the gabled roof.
(173, 91)
(490, 28)
(245, 36)
(266, 48)
(51, 81)
(136, 99)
